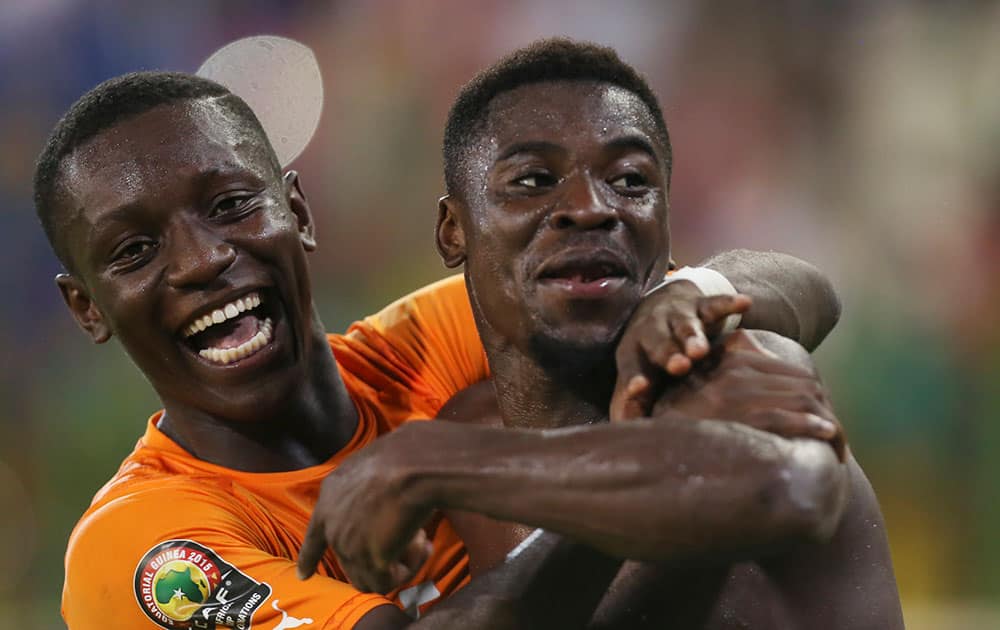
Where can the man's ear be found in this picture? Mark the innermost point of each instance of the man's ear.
(299, 205)
(449, 236)
(84, 311)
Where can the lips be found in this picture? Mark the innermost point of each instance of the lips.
(232, 331)
(584, 266)
(584, 274)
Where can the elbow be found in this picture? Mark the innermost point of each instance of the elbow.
(828, 311)
(809, 493)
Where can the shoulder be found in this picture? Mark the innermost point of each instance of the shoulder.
(134, 529)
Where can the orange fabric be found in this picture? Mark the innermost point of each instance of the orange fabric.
(170, 526)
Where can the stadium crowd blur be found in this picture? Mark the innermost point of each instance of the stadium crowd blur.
(864, 137)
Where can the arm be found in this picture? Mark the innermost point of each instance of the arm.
(790, 296)
(551, 583)
(672, 326)
(649, 490)
(119, 571)
(848, 582)
(417, 352)
(666, 489)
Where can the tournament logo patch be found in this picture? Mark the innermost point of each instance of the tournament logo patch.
(181, 584)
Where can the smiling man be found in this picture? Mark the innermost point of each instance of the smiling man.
(557, 163)
(181, 237)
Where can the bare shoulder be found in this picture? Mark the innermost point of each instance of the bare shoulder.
(853, 570)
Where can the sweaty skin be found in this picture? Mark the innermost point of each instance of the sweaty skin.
(578, 172)
(561, 228)
(570, 190)
(843, 583)
(169, 215)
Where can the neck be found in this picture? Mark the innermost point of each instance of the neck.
(305, 427)
(563, 392)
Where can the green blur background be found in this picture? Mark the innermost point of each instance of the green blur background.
(861, 136)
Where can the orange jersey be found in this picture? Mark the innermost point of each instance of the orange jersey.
(177, 542)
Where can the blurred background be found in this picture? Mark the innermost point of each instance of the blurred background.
(861, 136)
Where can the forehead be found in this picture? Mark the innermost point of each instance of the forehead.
(160, 149)
(567, 110)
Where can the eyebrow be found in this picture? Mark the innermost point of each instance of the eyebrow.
(124, 212)
(630, 141)
(635, 142)
(530, 146)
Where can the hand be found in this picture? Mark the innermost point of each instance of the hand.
(669, 330)
(364, 514)
(750, 385)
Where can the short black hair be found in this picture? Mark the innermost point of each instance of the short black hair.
(552, 59)
(112, 102)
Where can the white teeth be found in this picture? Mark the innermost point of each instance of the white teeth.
(245, 349)
(219, 315)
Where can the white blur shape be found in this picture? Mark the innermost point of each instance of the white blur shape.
(279, 79)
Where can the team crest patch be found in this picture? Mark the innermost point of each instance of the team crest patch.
(181, 584)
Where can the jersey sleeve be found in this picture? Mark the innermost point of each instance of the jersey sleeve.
(417, 352)
(165, 559)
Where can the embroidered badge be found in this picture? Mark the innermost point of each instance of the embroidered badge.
(182, 584)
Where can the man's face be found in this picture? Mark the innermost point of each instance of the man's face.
(190, 248)
(565, 214)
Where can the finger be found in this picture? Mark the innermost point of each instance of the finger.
(765, 363)
(713, 310)
(313, 548)
(788, 394)
(689, 334)
(790, 424)
(366, 578)
(660, 350)
(633, 400)
(417, 551)
(678, 364)
(627, 359)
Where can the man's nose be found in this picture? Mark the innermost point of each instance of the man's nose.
(581, 207)
(197, 255)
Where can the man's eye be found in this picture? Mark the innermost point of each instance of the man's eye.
(535, 180)
(629, 181)
(231, 205)
(134, 251)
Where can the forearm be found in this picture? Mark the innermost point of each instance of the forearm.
(790, 296)
(651, 490)
(550, 583)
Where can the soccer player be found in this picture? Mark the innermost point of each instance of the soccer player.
(180, 236)
(557, 165)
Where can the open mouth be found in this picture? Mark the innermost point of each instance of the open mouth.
(584, 271)
(231, 332)
(584, 274)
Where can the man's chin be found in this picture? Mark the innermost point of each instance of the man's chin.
(579, 351)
